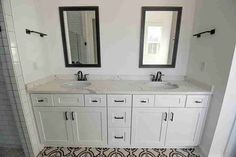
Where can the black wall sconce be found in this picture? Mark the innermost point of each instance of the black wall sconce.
(31, 31)
(211, 32)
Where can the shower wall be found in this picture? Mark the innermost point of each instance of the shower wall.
(8, 131)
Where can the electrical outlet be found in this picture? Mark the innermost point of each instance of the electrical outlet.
(202, 66)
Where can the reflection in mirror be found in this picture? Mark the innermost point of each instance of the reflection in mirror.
(159, 36)
(80, 34)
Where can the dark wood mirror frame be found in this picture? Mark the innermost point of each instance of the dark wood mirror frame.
(80, 8)
(143, 17)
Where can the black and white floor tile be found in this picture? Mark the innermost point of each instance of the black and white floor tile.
(115, 152)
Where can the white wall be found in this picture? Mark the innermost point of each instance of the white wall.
(216, 52)
(32, 48)
(119, 35)
(227, 116)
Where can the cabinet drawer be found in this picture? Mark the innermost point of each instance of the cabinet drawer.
(95, 100)
(170, 100)
(143, 100)
(68, 100)
(119, 117)
(197, 101)
(119, 100)
(42, 99)
(119, 136)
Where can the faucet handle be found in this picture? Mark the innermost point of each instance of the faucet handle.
(85, 77)
(152, 77)
(79, 75)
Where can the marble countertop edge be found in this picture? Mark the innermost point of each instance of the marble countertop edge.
(53, 85)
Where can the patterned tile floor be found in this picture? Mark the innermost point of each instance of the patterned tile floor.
(115, 152)
(11, 152)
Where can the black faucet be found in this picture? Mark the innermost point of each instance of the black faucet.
(81, 77)
(158, 77)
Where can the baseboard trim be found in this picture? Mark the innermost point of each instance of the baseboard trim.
(215, 155)
(201, 151)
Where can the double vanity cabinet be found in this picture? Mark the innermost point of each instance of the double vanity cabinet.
(124, 120)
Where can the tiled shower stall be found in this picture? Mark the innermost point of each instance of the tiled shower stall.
(17, 128)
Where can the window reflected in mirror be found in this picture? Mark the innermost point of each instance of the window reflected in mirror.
(159, 36)
(80, 34)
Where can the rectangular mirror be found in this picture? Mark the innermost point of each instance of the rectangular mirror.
(80, 36)
(160, 28)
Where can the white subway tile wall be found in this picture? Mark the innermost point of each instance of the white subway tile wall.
(14, 83)
(9, 136)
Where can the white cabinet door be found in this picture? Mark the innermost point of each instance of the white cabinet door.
(149, 126)
(89, 126)
(184, 126)
(54, 125)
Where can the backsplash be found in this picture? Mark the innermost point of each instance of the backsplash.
(119, 77)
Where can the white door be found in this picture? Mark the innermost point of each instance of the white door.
(54, 125)
(184, 126)
(149, 126)
(89, 126)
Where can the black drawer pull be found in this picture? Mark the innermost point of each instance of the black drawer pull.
(165, 119)
(119, 101)
(119, 117)
(143, 101)
(118, 137)
(94, 101)
(172, 117)
(198, 102)
(72, 116)
(40, 100)
(66, 116)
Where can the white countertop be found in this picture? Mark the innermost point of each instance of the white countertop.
(117, 87)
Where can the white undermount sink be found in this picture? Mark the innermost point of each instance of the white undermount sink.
(162, 85)
(77, 84)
